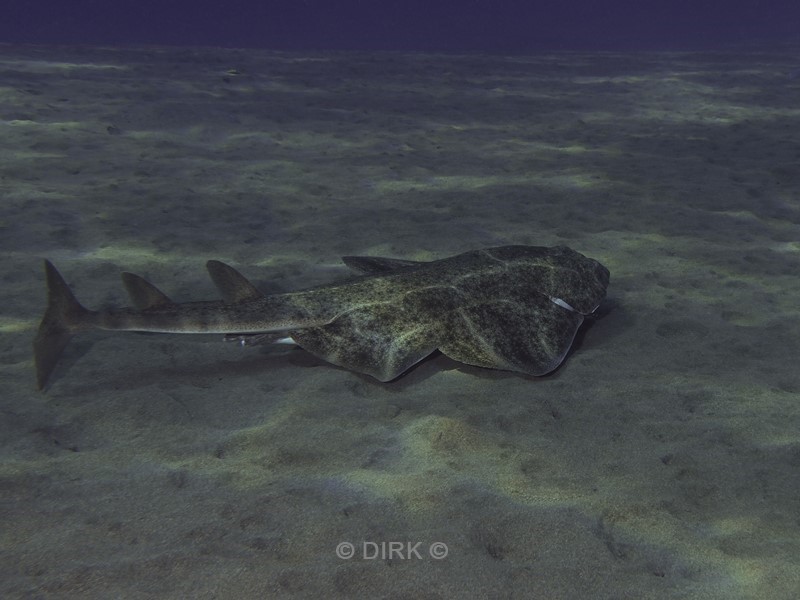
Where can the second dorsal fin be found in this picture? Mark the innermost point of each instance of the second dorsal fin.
(142, 293)
(233, 286)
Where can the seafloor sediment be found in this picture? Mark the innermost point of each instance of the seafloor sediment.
(661, 461)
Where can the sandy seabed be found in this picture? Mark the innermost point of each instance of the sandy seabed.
(661, 461)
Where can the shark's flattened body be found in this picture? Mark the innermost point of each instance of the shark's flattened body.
(515, 308)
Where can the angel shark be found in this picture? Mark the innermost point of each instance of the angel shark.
(515, 308)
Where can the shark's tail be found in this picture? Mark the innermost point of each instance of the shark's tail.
(64, 317)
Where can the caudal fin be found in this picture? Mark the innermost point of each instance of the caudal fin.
(63, 318)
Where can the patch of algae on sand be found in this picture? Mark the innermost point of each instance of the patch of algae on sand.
(11, 325)
(49, 66)
(443, 453)
(439, 453)
(129, 256)
(465, 182)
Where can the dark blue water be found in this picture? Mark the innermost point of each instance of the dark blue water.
(515, 26)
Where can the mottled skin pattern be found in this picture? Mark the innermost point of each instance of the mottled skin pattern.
(489, 308)
(512, 307)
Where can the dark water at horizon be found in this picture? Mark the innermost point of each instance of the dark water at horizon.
(511, 26)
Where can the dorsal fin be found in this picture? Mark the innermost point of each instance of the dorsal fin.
(142, 293)
(233, 286)
(372, 265)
